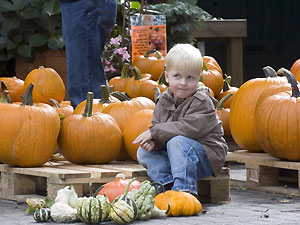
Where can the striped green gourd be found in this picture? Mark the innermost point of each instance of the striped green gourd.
(123, 209)
(41, 215)
(93, 210)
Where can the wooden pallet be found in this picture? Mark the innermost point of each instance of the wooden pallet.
(20, 183)
(266, 173)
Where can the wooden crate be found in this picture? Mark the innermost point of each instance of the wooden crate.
(266, 173)
(20, 183)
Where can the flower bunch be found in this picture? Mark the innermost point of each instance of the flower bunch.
(114, 56)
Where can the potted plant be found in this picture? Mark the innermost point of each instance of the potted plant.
(28, 27)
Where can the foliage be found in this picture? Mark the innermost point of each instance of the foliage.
(180, 16)
(26, 26)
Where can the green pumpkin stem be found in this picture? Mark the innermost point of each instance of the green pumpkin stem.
(221, 102)
(292, 80)
(97, 191)
(122, 96)
(162, 79)
(5, 94)
(137, 73)
(104, 94)
(157, 93)
(125, 69)
(269, 71)
(226, 83)
(204, 66)
(55, 103)
(128, 185)
(88, 111)
(158, 55)
(27, 100)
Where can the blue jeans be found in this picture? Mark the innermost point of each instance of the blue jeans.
(86, 26)
(182, 163)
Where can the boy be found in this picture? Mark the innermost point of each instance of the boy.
(186, 139)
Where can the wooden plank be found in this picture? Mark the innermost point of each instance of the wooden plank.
(129, 170)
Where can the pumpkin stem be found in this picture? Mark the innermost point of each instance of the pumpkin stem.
(41, 67)
(122, 96)
(162, 79)
(91, 189)
(55, 103)
(269, 71)
(157, 93)
(104, 94)
(221, 102)
(137, 73)
(27, 100)
(128, 185)
(226, 83)
(292, 80)
(124, 72)
(97, 191)
(158, 55)
(88, 111)
(204, 66)
(5, 94)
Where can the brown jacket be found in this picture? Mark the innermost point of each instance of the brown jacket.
(196, 118)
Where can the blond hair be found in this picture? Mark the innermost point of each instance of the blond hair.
(184, 57)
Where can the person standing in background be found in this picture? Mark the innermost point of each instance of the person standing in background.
(86, 26)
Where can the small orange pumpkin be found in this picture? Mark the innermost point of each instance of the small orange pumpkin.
(224, 113)
(227, 89)
(15, 87)
(295, 69)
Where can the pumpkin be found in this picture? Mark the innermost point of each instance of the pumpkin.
(212, 75)
(224, 113)
(62, 109)
(93, 210)
(242, 109)
(14, 86)
(180, 203)
(47, 84)
(227, 89)
(277, 122)
(119, 82)
(117, 187)
(28, 132)
(132, 88)
(157, 66)
(123, 110)
(138, 122)
(41, 215)
(295, 69)
(90, 138)
(143, 63)
(98, 104)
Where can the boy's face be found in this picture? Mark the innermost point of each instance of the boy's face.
(182, 83)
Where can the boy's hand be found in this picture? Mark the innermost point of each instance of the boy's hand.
(143, 138)
(148, 146)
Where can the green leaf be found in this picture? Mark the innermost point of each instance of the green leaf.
(135, 5)
(11, 23)
(5, 6)
(51, 8)
(19, 4)
(4, 41)
(17, 39)
(30, 13)
(56, 42)
(24, 50)
(11, 46)
(38, 40)
(37, 3)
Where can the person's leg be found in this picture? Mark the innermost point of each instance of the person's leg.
(86, 25)
(157, 165)
(188, 161)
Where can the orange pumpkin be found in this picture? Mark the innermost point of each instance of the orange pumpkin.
(242, 110)
(224, 113)
(63, 110)
(119, 82)
(90, 138)
(180, 203)
(117, 187)
(132, 87)
(28, 132)
(212, 75)
(143, 63)
(295, 69)
(15, 88)
(158, 66)
(137, 123)
(47, 84)
(227, 89)
(277, 123)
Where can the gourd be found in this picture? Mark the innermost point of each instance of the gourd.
(117, 187)
(41, 215)
(180, 203)
(123, 209)
(93, 210)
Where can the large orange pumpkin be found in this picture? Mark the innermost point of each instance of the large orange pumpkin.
(295, 69)
(212, 75)
(28, 132)
(277, 123)
(90, 138)
(15, 87)
(139, 122)
(242, 110)
(47, 84)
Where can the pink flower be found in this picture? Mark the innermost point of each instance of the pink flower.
(125, 56)
(114, 41)
(107, 62)
(118, 51)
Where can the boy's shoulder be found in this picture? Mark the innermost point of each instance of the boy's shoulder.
(202, 93)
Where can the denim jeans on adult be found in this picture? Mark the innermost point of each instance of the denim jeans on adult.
(182, 163)
(86, 26)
